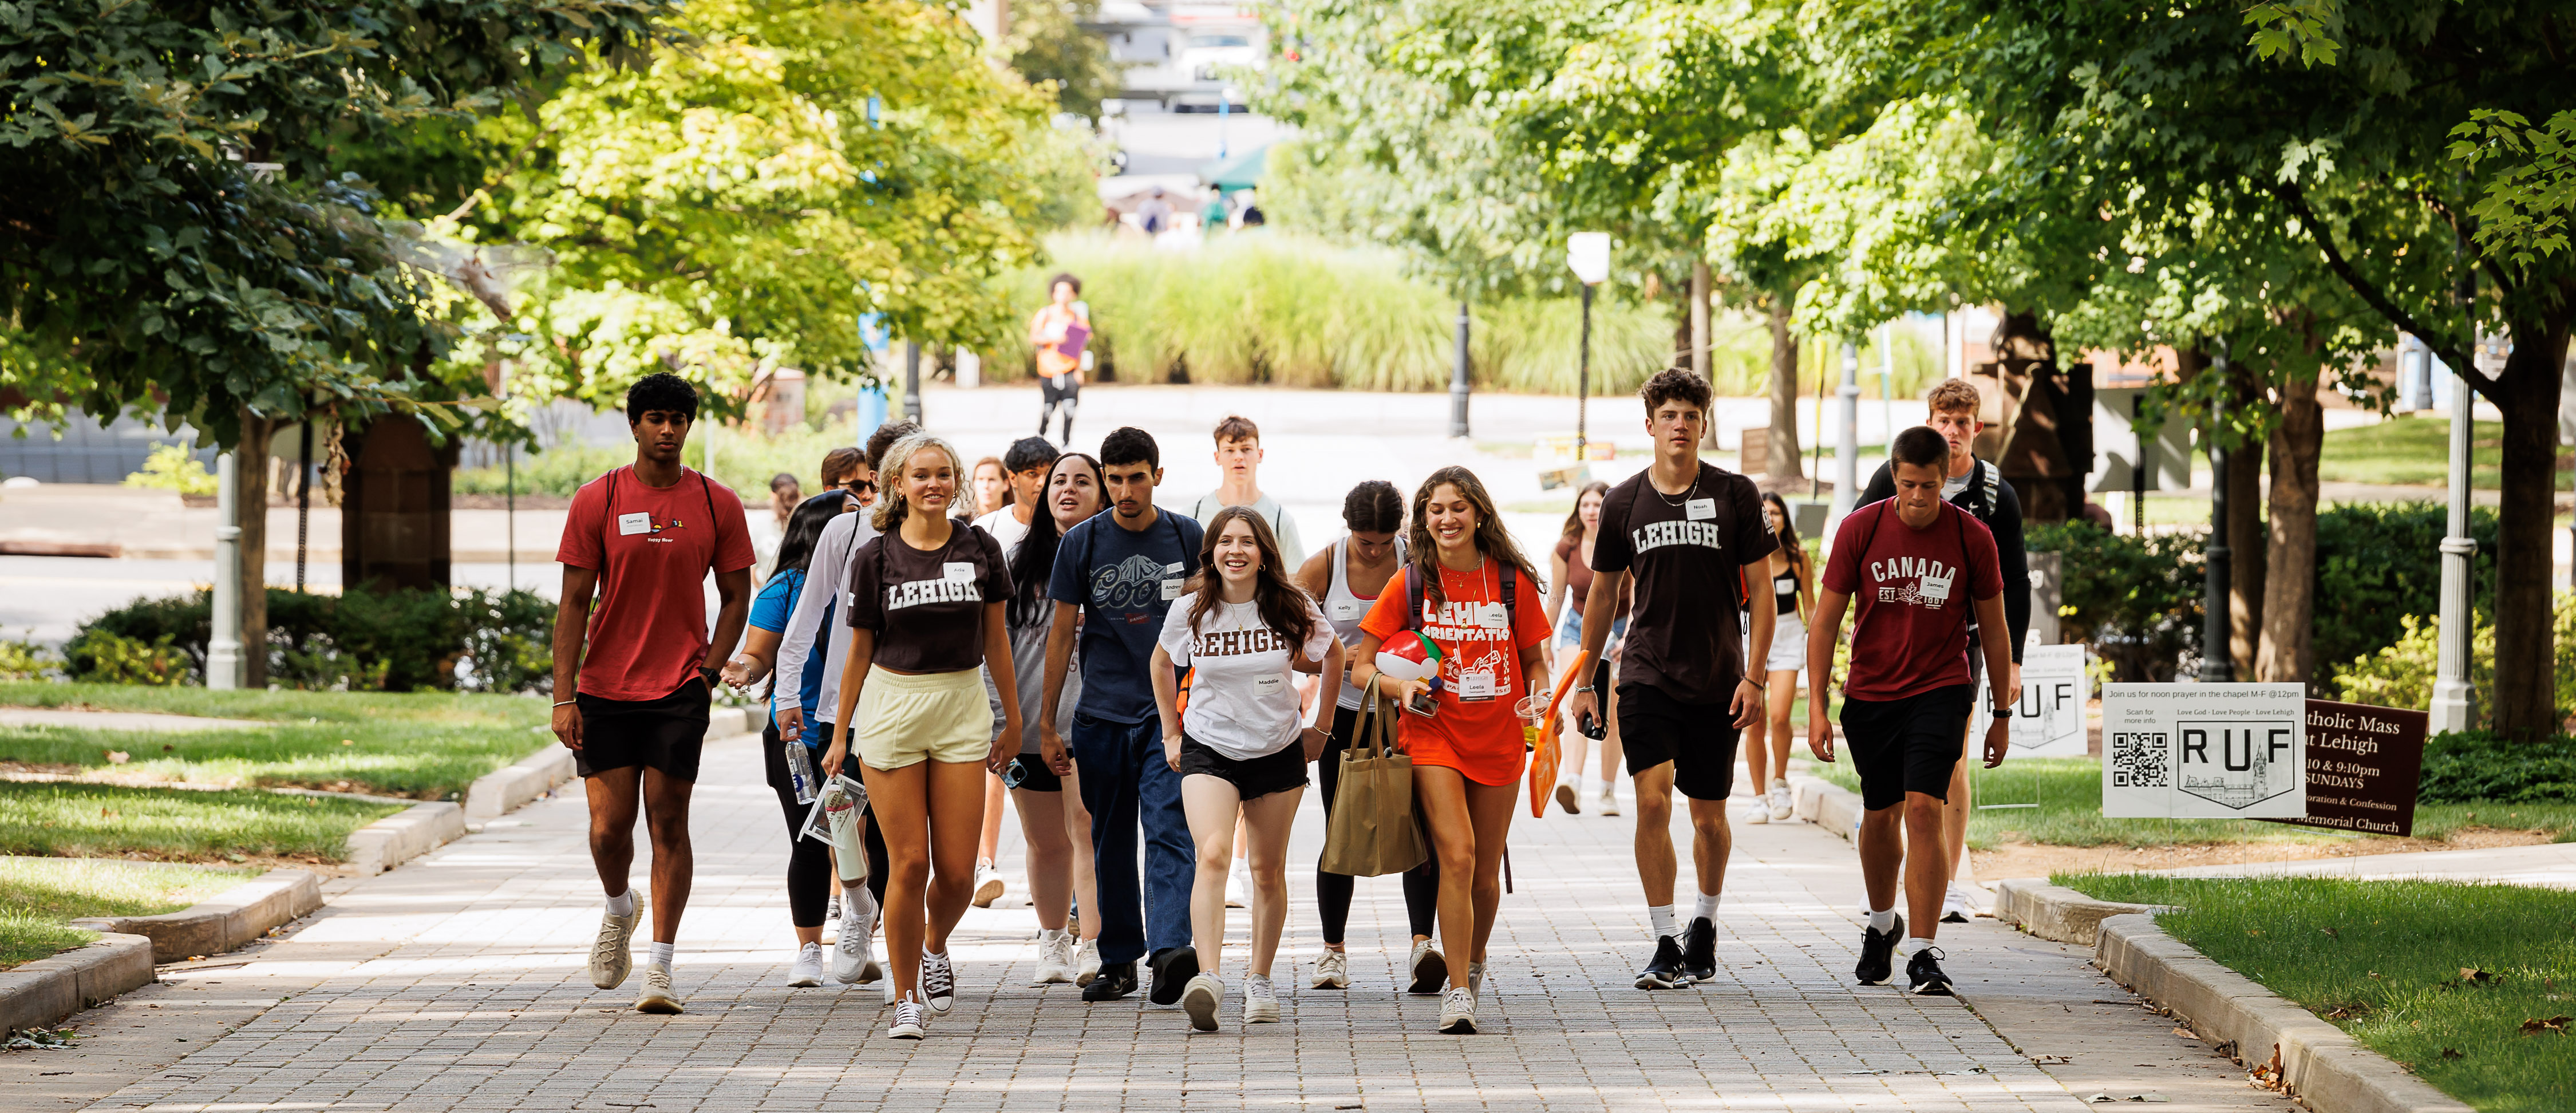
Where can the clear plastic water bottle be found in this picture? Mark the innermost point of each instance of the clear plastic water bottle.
(800, 771)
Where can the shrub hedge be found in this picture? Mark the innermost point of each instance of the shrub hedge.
(467, 640)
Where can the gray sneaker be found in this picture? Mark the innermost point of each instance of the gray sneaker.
(656, 996)
(612, 955)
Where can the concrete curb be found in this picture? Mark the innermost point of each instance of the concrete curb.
(403, 836)
(1827, 805)
(2324, 1068)
(2058, 913)
(725, 722)
(228, 921)
(512, 787)
(39, 993)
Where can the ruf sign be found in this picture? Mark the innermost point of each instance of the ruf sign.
(2229, 751)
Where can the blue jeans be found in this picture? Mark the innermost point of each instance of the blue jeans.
(1127, 784)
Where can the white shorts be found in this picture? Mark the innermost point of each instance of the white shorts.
(938, 716)
(1788, 646)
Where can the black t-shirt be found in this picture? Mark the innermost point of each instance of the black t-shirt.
(1684, 553)
(927, 606)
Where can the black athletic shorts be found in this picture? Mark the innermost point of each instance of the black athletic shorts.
(1905, 745)
(666, 734)
(1251, 778)
(1034, 774)
(1698, 738)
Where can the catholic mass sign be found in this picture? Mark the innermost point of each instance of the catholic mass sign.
(2204, 751)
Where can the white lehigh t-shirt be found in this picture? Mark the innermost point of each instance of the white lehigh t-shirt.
(1243, 700)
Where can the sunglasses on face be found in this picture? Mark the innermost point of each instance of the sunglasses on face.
(860, 486)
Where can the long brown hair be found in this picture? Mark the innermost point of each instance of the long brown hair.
(1490, 537)
(1574, 517)
(1284, 606)
(1800, 564)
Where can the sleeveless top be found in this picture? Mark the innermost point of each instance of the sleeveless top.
(1579, 577)
(1344, 610)
(1784, 587)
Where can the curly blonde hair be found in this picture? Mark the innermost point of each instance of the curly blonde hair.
(891, 504)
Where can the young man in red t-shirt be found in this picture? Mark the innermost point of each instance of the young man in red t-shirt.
(634, 710)
(1907, 698)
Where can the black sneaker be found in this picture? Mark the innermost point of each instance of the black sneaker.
(1173, 969)
(1699, 950)
(1923, 974)
(1665, 972)
(1115, 980)
(1878, 952)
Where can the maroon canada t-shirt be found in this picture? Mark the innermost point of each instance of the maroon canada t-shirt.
(1912, 590)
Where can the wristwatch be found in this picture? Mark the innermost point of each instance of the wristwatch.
(711, 675)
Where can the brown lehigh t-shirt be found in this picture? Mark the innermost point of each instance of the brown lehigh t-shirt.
(927, 606)
(1683, 553)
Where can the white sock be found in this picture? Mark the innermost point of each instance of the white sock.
(623, 904)
(1662, 916)
(1883, 920)
(1707, 908)
(1050, 935)
(661, 956)
(1911, 944)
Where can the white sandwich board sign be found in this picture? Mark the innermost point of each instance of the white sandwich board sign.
(2048, 719)
(2204, 751)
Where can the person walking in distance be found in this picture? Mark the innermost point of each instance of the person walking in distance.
(927, 597)
(1241, 746)
(1793, 594)
(809, 864)
(1348, 576)
(1690, 535)
(1005, 503)
(1058, 332)
(1977, 487)
(1238, 460)
(817, 634)
(1919, 567)
(1053, 820)
(1468, 594)
(1571, 578)
(1115, 577)
(643, 539)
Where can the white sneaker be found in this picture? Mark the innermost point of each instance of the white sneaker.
(988, 885)
(1476, 977)
(1427, 969)
(1609, 805)
(1260, 1000)
(1086, 961)
(1955, 908)
(938, 981)
(612, 955)
(1569, 797)
(1055, 959)
(854, 960)
(807, 970)
(908, 1021)
(832, 911)
(1200, 1000)
(1333, 970)
(1458, 1012)
(1238, 884)
(1784, 805)
(656, 996)
(1758, 813)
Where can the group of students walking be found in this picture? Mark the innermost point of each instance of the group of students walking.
(1145, 680)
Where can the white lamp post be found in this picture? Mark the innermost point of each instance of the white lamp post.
(1588, 255)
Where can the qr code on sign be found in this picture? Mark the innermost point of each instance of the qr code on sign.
(2138, 761)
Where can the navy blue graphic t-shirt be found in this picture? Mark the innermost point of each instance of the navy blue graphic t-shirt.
(1124, 580)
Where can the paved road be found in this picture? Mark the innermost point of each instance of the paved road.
(457, 983)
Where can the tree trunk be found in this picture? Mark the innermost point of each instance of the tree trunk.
(1784, 389)
(2245, 534)
(250, 495)
(2289, 648)
(2527, 391)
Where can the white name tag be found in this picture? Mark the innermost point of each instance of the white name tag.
(960, 570)
(1699, 510)
(1492, 616)
(1937, 590)
(628, 525)
(1171, 590)
(1270, 685)
(1345, 610)
(1476, 686)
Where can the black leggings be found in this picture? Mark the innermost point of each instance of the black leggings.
(1333, 890)
(809, 861)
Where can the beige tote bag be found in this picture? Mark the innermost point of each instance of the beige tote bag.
(1372, 830)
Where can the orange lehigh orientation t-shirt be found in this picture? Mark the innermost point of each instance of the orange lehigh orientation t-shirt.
(1479, 736)
(653, 548)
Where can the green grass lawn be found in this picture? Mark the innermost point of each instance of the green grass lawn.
(2414, 450)
(63, 819)
(423, 745)
(39, 895)
(2385, 961)
(2068, 791)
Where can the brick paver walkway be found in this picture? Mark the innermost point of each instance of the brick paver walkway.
(458, 983)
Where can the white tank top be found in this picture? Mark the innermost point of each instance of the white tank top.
(1345, 610)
